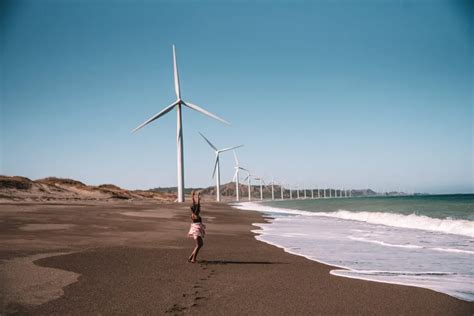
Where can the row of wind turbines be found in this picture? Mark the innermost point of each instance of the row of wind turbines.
(315, 193)
(179, 104)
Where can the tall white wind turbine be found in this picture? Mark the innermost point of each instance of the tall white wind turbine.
(179, 130)
(217, 165)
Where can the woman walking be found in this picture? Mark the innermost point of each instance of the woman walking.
(197, 229)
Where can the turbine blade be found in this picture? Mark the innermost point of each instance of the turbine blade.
(215, 165)
(235, 174)
(157, 115)
(176, 76)
(243, 169)
(207, 140)
(236, 159)
(199, 109)
(229, 148)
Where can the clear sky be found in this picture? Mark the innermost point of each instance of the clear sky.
(351, 94)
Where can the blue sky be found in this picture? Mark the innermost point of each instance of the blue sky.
(351, 94)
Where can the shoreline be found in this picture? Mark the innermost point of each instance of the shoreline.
(137, 264)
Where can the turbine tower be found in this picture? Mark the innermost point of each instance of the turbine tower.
(261, 187)
(249, 178)
(179, 130)
(273, 192)
(217, 165)
(281, 191)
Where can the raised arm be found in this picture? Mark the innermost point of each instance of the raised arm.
(199, 203)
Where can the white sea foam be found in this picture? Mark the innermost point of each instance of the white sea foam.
(412, 221)
(386, 244)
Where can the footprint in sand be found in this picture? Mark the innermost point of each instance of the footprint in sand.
(176, 308)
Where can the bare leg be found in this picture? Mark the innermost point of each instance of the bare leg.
(199, 244)
(194, 250)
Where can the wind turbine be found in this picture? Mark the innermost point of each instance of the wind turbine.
(261, 187)
(236, 176)
(249, 178)
(273, 192)
(179, 130)
(217, 165)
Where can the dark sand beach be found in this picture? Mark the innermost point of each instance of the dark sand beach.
(131, 258)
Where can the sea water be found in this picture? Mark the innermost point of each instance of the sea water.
(424, 241)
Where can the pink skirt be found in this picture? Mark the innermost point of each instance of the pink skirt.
(197, 230)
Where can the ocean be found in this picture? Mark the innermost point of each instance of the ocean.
(424, 241)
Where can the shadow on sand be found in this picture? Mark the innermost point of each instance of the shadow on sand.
(236, 262)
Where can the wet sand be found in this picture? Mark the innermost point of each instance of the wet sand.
(131, 258)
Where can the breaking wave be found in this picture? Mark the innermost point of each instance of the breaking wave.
(413, 221)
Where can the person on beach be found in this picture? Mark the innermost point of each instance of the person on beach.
(197, 229)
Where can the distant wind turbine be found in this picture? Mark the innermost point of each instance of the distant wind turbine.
(261, 186)
(179, 130)
(237, 177)
(217, 165)
(273, 192)
(249, 179)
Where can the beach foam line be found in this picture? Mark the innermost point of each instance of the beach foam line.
(382, 243)
(412, 221)
(389, 277)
